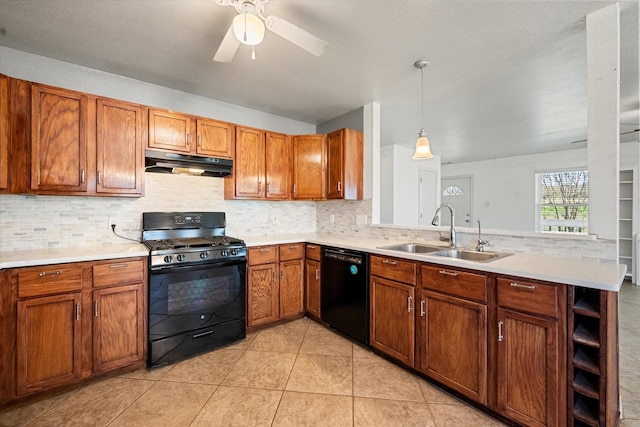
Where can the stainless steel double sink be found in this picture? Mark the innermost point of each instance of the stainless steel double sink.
(465, 254)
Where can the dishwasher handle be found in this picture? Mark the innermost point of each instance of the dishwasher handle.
(343, 256)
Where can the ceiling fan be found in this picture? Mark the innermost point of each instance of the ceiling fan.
(248, 28)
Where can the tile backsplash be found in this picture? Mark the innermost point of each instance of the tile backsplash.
(32, 222)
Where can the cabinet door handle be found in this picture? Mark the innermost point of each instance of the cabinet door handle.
(199, 140)
(54, 273)
(259, 186)
(422, 312)
(518, 285)
(282, 274)
(448, 273)
(118, 265)
(188, 139)
(95, 309)
(409, 299)
(274, 276)
(339, 186)
(268, 187)
(294, 188)
(82, 176)
(390, 262)
(99, 178)
(317, 274)
(77, 311)
(500, 336)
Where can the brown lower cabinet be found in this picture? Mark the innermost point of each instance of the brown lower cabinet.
(312, 280)
(73, 321)
(275, 277)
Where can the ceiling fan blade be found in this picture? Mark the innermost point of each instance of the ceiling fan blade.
(227, 48)
(296, 35)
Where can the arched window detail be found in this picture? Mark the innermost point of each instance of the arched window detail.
(453, 190)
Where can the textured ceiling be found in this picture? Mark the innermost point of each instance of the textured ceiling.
(506, 77)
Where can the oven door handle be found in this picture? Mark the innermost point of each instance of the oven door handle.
(191, 267)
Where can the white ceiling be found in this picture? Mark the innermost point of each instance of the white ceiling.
(506, 77)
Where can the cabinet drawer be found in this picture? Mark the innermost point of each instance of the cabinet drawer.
(118, 272)
(394, 269)
(48, 280)
(313, 252)
(263, 255)
(455, 282)
(527, 296)
(291, 251)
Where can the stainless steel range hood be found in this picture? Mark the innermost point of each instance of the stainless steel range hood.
(163, 162)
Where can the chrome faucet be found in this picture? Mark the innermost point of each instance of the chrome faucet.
(436, 221)
(481, 243)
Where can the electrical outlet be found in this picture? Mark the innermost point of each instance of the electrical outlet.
(332, 219)
(112, 221)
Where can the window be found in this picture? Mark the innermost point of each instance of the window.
(453, 190)
(562, 201)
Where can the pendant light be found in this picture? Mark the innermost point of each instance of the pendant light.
(249, 30)
(423, 151)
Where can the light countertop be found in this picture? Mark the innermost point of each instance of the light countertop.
(570, 271)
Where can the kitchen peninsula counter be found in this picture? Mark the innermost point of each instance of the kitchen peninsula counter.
(566, 270)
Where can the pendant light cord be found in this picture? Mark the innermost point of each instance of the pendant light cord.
(422, 94)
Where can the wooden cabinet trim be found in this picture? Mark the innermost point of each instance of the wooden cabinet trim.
(4, 132)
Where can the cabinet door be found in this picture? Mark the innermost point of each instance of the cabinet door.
(262, 282)
(291, 288)
(4, 132)
(169, 131)
(312, 285)
(120, 162)
(528, 369)
(309, 161)
(214, 138)
(278, 165)
(453, 343)
(48, 342)
(118, 326)
(58, 140)
(392, 319)
(248, 167)
(335, 165)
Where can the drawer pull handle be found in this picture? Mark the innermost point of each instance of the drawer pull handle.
(422, 312)
(264, 250)
(317, 274)
(77, 311)
(119, 266)
(448, 273)
(518, 285)
(311, 247)
(409, 304)
(95, 309)
(55, 273)
(500, 336)
(388, 261)
(294, 247)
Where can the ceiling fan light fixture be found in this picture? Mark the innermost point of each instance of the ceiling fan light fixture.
(248, 29)
(423, 150)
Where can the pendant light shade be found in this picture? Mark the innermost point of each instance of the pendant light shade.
(248, 29)
(423, 150)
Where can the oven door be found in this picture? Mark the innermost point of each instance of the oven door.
(193, 309)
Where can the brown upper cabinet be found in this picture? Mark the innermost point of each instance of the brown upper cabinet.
(262, 166)
(4, 132)
(345, 164)
(83, 145)
(182, 133)
(309, 167)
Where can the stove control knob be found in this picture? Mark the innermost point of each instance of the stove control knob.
(224, 252)
(234, 252)
(204, 255)
(168, 259)
(180, 258)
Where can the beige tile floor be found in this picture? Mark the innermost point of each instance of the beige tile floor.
(297, 374)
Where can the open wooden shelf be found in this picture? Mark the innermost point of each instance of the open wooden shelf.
(587, 334)
(587, 384)
(586, 410)
(587, 359)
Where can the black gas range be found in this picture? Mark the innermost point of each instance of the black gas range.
(197, 284)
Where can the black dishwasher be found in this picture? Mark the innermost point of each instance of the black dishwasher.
(345, 292)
